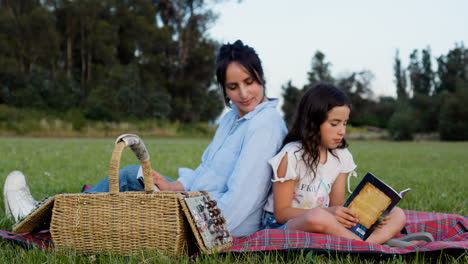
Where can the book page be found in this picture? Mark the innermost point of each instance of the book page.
(404, 192)
(369, 204)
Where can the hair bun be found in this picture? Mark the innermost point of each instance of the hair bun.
(227, 49)
(238, 44)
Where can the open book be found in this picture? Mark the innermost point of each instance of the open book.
(141, 179)
(372, 200)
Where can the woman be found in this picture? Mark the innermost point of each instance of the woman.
(234, 167)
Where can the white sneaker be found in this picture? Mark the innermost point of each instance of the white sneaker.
(18, 199)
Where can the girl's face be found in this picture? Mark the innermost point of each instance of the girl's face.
(242, 89)
(334, 128)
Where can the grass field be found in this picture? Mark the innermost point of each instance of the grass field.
(435, 171)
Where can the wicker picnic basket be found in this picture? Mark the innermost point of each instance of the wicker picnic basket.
(123, 222)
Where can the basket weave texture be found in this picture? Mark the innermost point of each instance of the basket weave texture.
(122, 222)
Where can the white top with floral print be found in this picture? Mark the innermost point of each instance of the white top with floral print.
(310, 192)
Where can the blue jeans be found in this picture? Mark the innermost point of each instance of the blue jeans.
(128, 181)
(269, 222)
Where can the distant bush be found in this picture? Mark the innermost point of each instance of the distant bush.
(195, 129)
(374, 113)
(353, 129)
(401, 125)
(370, 119)
(426, 111)
(5, 113)
(74, 123)
(77, 118)
(453, 117)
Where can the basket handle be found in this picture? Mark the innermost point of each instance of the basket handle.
(138, 147)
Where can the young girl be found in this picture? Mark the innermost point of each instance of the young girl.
(310, 172)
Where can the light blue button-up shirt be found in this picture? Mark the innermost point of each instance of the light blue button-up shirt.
(234, 168)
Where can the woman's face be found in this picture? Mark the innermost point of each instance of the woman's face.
(242, 89)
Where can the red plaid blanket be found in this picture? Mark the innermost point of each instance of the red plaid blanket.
(40, 240)
(449, 231)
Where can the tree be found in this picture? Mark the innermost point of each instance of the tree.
(357, 87)
(29, 51)
(291, 98)
(320, 71)
(190, 56)
(424, 107)
(401, 125)
(400, 78)
(384, 108)
(427, 74)
(110, 59)
(358, 84)
(452, 68)
(452, 88)
(67, 18)
(454, 113)
(415, 73)
(425, 112)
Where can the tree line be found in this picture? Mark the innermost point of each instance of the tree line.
(109, 59)
(428, 100)
(117, 59)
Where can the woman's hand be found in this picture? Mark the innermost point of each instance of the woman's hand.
(344, 215)
(164, 185)
(160, 181)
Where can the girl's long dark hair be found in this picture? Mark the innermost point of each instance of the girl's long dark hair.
(311, 113)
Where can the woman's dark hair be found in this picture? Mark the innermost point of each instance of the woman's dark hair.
(244, 55)
(310, 114)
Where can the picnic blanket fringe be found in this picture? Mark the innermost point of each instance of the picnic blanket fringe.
(450, 232)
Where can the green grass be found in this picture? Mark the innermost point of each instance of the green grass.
(435, 171)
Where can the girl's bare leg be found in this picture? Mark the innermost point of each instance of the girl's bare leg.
(396, 221)
(318, 220)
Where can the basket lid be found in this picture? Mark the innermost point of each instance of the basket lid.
(38, 219)
(207, 223)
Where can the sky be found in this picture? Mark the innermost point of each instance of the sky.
(354, 35)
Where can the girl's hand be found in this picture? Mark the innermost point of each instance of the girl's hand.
(344, 216)
(384, 221)
(160, 181)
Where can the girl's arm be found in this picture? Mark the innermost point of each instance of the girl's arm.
(337, 193)
(283, 194)
(344, 215)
